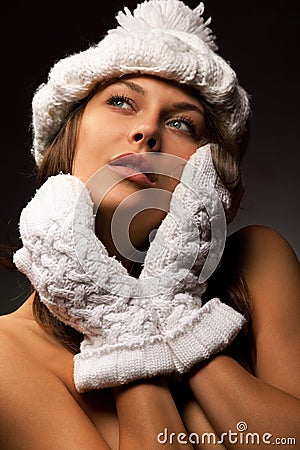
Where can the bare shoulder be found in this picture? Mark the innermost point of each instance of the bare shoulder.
(36, 408)
(268, 263)
(261, 241)
(19, 365)
(272, 273)
(12, 342)
(271, 270)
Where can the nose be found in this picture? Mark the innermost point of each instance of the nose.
(146, 138)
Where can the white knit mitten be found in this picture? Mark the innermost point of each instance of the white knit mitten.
(121, 339)
(183, 254)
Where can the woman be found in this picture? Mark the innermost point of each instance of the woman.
(86, 117)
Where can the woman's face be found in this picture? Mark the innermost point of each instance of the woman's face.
(136, 116)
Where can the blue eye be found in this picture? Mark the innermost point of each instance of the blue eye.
(182, 124)
(119, 101)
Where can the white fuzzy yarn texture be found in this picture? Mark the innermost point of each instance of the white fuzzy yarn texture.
(133, 328)
(162, 37)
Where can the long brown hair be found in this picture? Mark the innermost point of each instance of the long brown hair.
(227, 282)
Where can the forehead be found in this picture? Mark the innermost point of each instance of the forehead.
(154, 84)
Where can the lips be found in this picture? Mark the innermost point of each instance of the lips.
(134, 167)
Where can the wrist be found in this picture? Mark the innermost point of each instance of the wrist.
(208, 369)
(140, 387)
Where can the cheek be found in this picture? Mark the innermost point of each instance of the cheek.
(180, 146)
(172, 184)
(92, 138)
(175, 166)
(94, 148)
(185, 151)
(170, 169)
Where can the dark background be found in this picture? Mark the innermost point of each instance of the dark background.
(258, 37)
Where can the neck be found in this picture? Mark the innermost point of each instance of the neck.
(25, 310)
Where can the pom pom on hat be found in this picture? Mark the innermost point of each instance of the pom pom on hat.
(165, 38)
(168, 15)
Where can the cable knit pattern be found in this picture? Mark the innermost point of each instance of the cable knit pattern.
(191, 330)
(162, 37)
(133, 328)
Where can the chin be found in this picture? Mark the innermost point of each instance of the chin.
(128, 215)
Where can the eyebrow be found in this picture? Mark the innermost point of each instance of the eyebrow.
(133, 86)
(186, 106)
(181, 106)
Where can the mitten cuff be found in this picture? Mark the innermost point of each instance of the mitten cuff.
(95, 369)
(212, 330)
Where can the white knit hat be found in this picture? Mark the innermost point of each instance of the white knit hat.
(162, 37)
